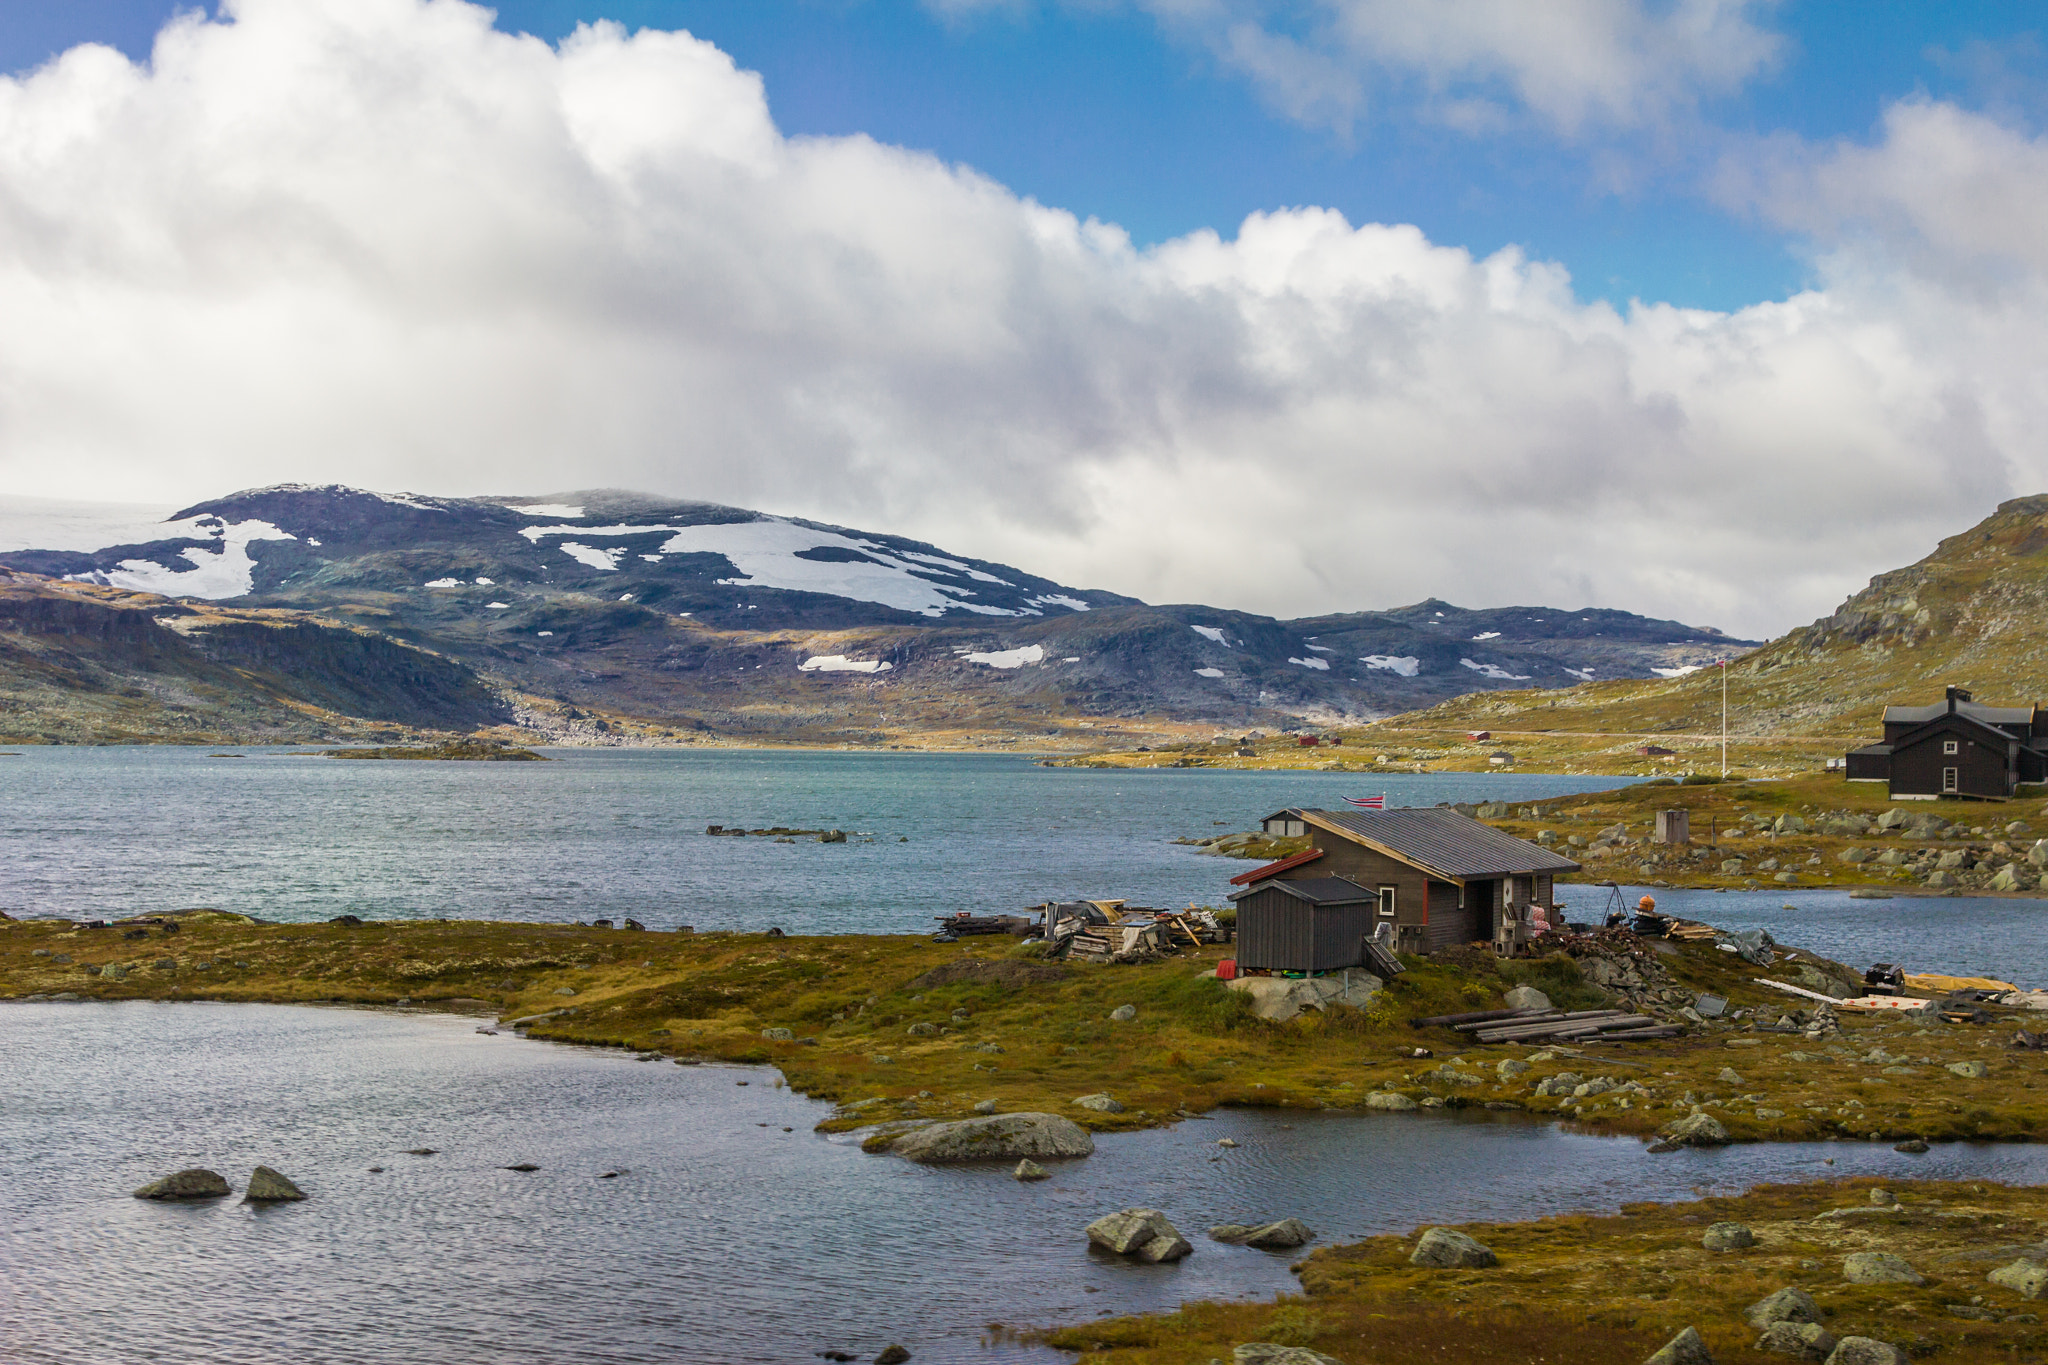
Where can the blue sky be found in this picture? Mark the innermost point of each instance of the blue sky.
(1095, 108)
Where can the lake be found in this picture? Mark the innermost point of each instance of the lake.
(721, 1238)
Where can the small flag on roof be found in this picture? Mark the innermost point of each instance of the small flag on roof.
(1369, 802)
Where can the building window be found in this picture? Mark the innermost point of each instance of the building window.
(1386, 902)
(1949, 746)
(1948, 779)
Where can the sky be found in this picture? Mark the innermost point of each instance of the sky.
(1701, 308)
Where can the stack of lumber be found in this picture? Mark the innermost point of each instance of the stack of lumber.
(1095, 944)
(1530, 1026)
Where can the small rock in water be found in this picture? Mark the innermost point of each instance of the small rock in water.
(376, 1170)
(1142, 1233)
(837, 1355)
(522, 1166)
(421, 1151)
(892, 1355)
(1226, 1142)
(195, 1183)
(267, 1186)
(1911, 1146)
(1027, 1169)
(610, 1175)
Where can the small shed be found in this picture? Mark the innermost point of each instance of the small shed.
(1673, 827)
(1310, 924)
(1284, 824)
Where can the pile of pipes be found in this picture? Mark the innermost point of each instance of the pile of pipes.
(1554, 1026)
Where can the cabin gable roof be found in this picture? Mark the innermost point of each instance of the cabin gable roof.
(1444, 843)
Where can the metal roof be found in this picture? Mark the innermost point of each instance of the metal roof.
(1452, 845)
(1274, 869)
(1314, 890)
(1983, 715)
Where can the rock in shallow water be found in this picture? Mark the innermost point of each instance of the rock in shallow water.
(195, 1183)
(1141, 1233)
(267, 1185)
(1001, 1137)
(1027, 1169)
(1280, 1235)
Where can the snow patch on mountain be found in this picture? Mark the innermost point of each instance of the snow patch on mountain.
(1007, 658)
(839, 663)
(1494, 671)
(1322, 664)
(216, 574)
(608, 560)
(1214, 633)
(1405, 665)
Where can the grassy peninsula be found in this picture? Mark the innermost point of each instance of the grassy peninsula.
(900, 1027)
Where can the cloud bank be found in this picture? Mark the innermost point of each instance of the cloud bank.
(379, 242)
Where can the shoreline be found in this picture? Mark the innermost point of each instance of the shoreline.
(891, 1027)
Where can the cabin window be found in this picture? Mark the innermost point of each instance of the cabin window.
(1386, 902)
(1949, 746)
(1948, 779)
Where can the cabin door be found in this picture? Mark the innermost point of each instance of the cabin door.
(1479, 898)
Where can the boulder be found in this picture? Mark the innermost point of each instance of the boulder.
(777, 1035)
(1684, 1349)
(1271, 1353)
(1510, 1069)
(1785, 1305)
(1800, 1340)
(1699, 1130)
(1728, 1237)
(1282, 1235)
(1527, 998)
(1123, 1014)
(266, 1185)
(2008, 878)
(1141, 1233)
(2025, 1277)
(1027, 1169)
(1388, 1100)
(1972, 1071)
(1912, 1146)
(923, 1030)
(195, 1183)
(1101, 1103)
(1279, 998)
(1446, 1248)
(1878, 1267)
(1001, 1137)
(892, 1354)
(1866, 1351)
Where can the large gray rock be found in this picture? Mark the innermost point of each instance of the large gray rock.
(1527, 998)
(1728, 1237)
(2025, 1277)
(1271, 1353)
(1027, 1169)
(1282, 1235)
(1878, 1267)
(266, 1185)
(1969, 1071)
(1280, 998)
(1388, 1100)
(1446, 1248)
(1866, 1351)
(1141, 1233)
(1684, 1349)
(195, 1183)
(1123, 1014)
(1699, 1130)
(999, 1137)
(1800, 1340)
(1101, 1103)
(1786, 1305)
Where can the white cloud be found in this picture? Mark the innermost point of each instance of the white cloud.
(1571, 63)
(378, 242)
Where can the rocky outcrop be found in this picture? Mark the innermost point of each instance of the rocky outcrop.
(2027, 1278)
(194, 1183)
(1143, 1234)
(1447, 1248)
(1699, 1130)
(999, 1137)
(1272, 1353)
(1878, 1267)
(1684, 1349)
(1282, 998)
(1728, 1237)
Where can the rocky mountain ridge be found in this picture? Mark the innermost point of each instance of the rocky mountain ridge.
(699, 619)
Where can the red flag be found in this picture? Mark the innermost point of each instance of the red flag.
(1369, 802)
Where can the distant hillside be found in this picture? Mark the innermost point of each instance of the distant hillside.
(1974, 613)
(703, 619)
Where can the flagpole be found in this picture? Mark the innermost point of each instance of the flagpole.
(1724, 718)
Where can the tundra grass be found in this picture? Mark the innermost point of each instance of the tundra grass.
(894, 1027)
(1609, 1290)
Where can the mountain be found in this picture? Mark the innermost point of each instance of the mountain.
(675, 619)
(1973, 613)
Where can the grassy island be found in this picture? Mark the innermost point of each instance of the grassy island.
(892, 1027)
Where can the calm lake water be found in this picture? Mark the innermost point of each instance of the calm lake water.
(722, 1239)
(605, 833)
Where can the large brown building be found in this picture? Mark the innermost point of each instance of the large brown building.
(1437, 876)
(1956, 747)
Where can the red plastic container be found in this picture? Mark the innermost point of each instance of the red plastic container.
(1226, 970)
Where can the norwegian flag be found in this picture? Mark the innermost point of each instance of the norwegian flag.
(1369, 802)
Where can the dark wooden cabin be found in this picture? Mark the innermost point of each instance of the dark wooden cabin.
(1437, 876)
(1957, 747)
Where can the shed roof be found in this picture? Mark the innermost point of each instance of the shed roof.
(1443, 842)
(1314, 890)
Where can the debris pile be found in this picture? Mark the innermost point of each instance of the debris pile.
(1111, 931)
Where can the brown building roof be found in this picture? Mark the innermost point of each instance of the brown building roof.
(1443, 842)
